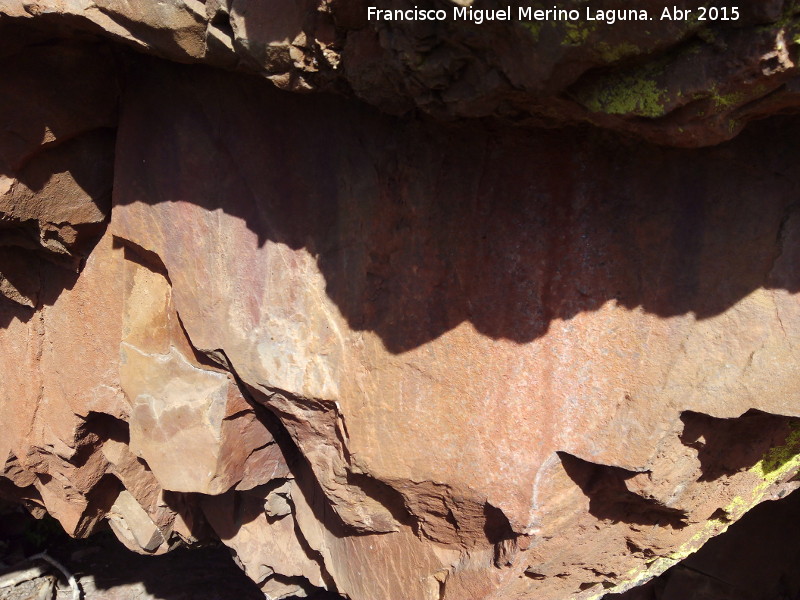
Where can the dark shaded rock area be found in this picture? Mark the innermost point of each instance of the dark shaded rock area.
(687, 82)
(757, 558)
(105, 570)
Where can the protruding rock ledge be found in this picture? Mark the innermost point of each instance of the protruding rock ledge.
(686, 82)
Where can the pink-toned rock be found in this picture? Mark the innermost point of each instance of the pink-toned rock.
(386, 356)
(179, 406)
(267, 546)
(385, 308)
(47, 399)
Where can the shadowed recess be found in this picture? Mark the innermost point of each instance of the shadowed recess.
(727, 446)
(418, 227)
(611, 500)
(756, 559)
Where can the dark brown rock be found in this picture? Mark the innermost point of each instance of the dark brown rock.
(683, 82)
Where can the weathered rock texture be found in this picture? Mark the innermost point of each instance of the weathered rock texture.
(395, 356)
(686, 82)
(756, 558)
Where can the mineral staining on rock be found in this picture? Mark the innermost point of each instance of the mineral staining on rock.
(384, 355)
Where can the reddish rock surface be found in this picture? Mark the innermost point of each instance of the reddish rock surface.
(388, 356)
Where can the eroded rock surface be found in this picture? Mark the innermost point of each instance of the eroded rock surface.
(691, 81)
(388, 356)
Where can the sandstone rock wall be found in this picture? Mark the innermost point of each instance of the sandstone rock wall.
(391, 356)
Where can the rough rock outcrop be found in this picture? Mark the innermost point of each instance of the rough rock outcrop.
(755, 558)
(689, 81)
(393, 356)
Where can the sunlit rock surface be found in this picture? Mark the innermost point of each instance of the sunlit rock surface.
(378, 352)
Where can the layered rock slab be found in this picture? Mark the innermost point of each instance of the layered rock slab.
(479, 341)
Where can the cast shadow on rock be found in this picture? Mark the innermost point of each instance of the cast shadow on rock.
(418, 227)
(754, 559)
(727, 446)
(611, 500)
(39, 280)
(59, 109)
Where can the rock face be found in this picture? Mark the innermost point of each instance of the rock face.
(755, 558)
(690, 81)
(389, 355)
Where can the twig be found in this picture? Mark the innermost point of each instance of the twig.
(73, 583)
